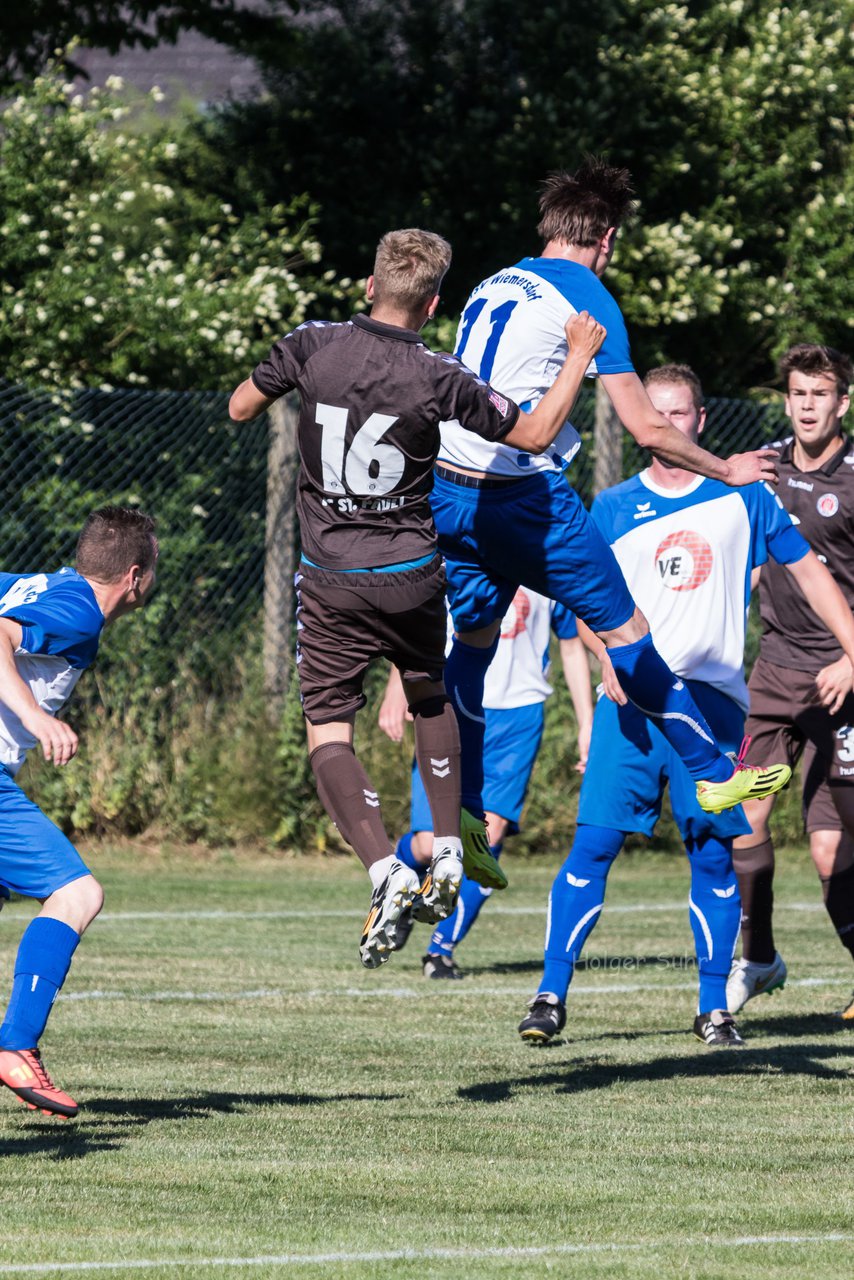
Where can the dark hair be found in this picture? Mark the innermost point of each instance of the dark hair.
(579, 207)
(112, 540)
(813, 358)
(673, 374)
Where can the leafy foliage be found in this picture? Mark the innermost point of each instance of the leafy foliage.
(734, 118)
(116, 268)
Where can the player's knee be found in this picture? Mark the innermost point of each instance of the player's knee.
(77, 904)
(827, 853)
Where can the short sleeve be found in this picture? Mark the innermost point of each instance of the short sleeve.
(463, 396)
(564, 623)
(278, 374)
(58, 622)
(775, 534)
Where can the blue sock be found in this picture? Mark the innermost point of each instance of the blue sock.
(667, 701)
(41, 966)
(465, 671)
(449, 932)
(576, 899)
(715, 914)
(403, 853)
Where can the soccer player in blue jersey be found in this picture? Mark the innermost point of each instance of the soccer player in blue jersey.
(688, 547)
(505, 517)
(515, 693)
(50, 627)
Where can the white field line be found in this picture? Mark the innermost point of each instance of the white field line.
(423, 1255)
(406, 993)
(319, 913)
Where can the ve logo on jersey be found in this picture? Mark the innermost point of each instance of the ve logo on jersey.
(370, 469)
(513, 622)
(684, 561)
(827, 505)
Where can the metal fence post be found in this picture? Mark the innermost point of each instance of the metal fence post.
(607, 443)
(279, 548)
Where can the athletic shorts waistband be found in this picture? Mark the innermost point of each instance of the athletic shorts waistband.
(401, 567)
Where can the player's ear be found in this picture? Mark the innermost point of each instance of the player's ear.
(433, 306)
(701, 419)
(369, 289)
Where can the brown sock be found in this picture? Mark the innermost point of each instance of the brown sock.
(437, 750)
(754, 869)
(350, 800)
(838, 890)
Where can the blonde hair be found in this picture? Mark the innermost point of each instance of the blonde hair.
(410, 267)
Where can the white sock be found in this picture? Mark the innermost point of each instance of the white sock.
(442, 843)
(379, 870)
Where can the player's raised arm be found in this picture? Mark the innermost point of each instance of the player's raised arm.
(652, 431)
(535, 431)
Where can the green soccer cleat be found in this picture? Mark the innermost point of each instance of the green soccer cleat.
(479, 862)
(745, 783)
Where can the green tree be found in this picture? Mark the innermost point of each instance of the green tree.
(733, 115)
(117, 268)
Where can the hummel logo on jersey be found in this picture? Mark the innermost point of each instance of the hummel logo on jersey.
(799, 484)
(643, 512)
(371, 798)
(578, 884)
(440, 768)
(724, 893)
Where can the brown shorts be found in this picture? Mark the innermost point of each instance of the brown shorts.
(786, 721)
(346, 620)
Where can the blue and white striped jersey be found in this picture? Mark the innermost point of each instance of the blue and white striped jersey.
(511, 334)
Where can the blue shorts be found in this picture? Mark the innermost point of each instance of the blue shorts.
(36, 859)
(532, 533)
(631, 762)
(510, 748)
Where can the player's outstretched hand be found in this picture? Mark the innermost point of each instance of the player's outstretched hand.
(584, 334)
(747, 468)
(834, 684)
(58, 740)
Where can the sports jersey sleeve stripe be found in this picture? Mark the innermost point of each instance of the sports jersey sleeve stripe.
(780, 538)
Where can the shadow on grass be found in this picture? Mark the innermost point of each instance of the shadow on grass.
(591, 1074)
(105, 1124)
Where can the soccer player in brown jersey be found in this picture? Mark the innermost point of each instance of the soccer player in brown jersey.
(801, 699)
(371, 582)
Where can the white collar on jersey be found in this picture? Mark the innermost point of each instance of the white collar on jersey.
(649, 483)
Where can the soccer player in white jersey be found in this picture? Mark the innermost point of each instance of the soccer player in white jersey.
(688, 547)
(516, 689)
(506, 518)
(50, 627)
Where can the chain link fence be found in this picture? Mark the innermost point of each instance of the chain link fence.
(205, 478)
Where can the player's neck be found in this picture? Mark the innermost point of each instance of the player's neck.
(813, 460)
(584, 255)
(401, 319)
(669, 477)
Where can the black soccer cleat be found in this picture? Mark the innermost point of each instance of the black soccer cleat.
(546, 1017)
(717, 1030)
(440, 966)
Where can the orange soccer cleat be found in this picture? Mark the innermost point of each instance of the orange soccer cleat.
(23, 1071)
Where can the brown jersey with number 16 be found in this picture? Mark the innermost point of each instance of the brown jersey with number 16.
(372, 397)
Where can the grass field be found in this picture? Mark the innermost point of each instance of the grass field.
(255, 1103)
